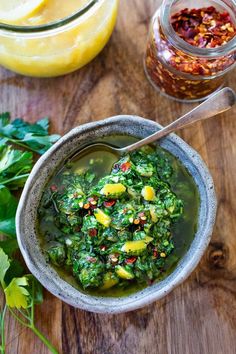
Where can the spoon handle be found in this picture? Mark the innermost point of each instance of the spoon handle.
(220, 102)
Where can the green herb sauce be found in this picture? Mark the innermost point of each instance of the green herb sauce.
(111, 233)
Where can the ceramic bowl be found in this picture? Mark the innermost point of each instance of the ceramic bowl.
(27, 214)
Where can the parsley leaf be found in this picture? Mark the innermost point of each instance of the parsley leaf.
(32, 136)
(9, 246)
(4, 119)
(7, 212)
(16, 293)
(15, 166)
(4, 265)
(15, 270)
(35, 290)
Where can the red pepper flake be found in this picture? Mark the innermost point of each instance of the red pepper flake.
(54, 188)
(143, 222)
(91, 204)
(109, 203)
(204, 27)
(155, 253)
(103, 248)
(113, 258)
(93, 232)
(91, 259)
(130, 260)
(125, 166)
(92, 207)
(92, 200)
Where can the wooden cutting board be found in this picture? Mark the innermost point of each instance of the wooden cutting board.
(199, 317)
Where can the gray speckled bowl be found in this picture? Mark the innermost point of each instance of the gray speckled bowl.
(45, 167)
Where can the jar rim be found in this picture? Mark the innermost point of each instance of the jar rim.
(51, 25)
(181, 44)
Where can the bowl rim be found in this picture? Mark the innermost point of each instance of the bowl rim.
(185, 266)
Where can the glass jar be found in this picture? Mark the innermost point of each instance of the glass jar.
(59, 47)
(179, 69)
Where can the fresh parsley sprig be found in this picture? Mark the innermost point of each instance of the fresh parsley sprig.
(22, 294)
(22, 291)
(31, 136)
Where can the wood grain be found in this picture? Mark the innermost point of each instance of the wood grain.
(199, 317)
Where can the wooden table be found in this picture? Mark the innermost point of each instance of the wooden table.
(199, 317)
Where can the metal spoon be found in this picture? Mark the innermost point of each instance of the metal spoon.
(220, 102)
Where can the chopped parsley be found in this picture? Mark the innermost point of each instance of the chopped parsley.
(115, 230)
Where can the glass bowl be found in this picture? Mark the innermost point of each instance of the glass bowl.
(59, 47)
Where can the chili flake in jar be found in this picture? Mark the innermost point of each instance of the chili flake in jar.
(190, 51)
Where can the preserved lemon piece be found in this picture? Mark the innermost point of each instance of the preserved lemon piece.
(12, 11)
(148, 193)
(171, 209)
(136, 246)
(102, 218)
(116, 188)
(123, 273)
(109, 281)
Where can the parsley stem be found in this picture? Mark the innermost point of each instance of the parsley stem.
(18, 318)
(32, 305)
(14, 179)
(24, 315)
(36, 332)
(2, 346)
(44, 339)
(17, 142)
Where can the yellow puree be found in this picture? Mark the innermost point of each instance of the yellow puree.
(62, 50)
